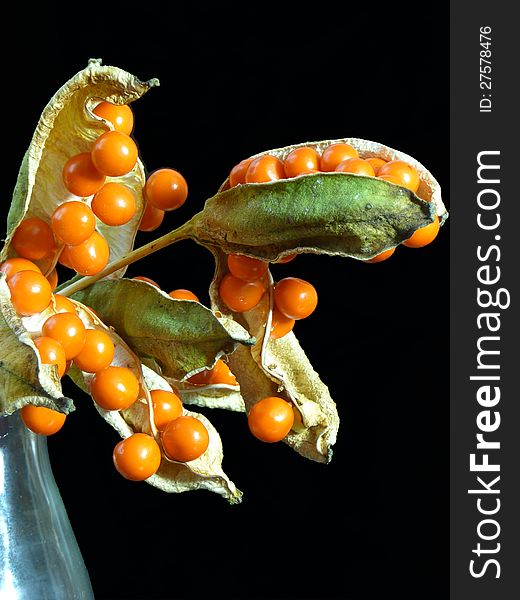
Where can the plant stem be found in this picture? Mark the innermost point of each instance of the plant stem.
(181, 233)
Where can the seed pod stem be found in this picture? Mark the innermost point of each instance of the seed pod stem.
(181, 233)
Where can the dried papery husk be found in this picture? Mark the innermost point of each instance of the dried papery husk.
(218, 395)
(204, 473)
(325, 213)
(24, 379)
(182, 337)
(280, 368)
(67, 127)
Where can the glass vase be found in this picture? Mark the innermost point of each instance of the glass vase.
(39, 556)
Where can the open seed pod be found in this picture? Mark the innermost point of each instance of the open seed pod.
(280, 368)
(24, 379)
(68, 127)
(325, 213)
(204, 472)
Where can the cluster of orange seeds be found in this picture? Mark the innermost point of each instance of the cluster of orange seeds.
(72, 238)
(244, 286)
(342, 158)
(64, 340)
(183, 437)
(72, 232)
(271, 419)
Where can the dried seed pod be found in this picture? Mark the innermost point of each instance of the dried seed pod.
(203, 473)
(24, 379)
(66, 128)
(280, 368)
(325, 213)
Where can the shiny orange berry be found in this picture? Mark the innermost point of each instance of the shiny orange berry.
(219, 374)
(405, 173)
(42, 420)
(238, 172)
(246, 268)
(114, 388)
(238, 295)
(381, 256)
(11, 266)
(301, 161)
(147, 280)
(67, 329)
(73, 222)
(391, 179)
(89, 257)
(151, 219)
(286, 259)
(52, 278)
(356, 165)
(424, 236)
(167, 406)
(336, 153)
(271, 419)
(63, 304)
(182, 294)
(30, 292)
(114, 204)
(114, 154)
(376, 163)
(137, 457)
(81, 177)
(97, 352)
(280, 325)
(51, 353)
(185, 439)
(63, 258)
(166, 189)
(295, 298)
(120, 115)
(33, 239)
(201, 378)
(265, 168)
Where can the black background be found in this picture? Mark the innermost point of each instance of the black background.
(236, 80)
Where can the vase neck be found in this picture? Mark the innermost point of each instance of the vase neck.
(39, 555)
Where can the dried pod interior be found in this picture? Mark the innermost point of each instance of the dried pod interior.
(63, 140)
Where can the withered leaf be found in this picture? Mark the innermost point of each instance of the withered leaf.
(181, 336)
(67, 127)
